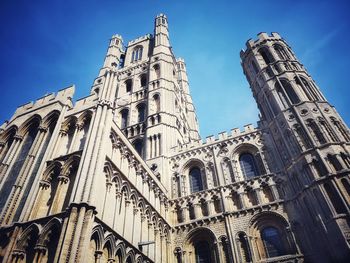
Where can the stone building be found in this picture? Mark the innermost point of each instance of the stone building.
(122, 174)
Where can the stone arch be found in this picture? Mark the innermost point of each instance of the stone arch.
(126, 190)
(84, 117)
(27, 125)
(201, 243)
(251, 149)
(134, 197)
(22, 241)
(53, 167)
(186, 169)
(83, 125)
(109, 245)
(49, 238)
(67, 132)
(6, 139)
(141, 205)
(130, 256)
(45, 232)
(148, 213)
(47, 189)
(243, 247)
(95, 243)
(141, 111)
(108, 170)
(69, 122)
(266, 55)
(271, 235)
(227, 170)
(29, 132)
(50, 118)
(67, 177)
(281, 51)
(98, 234)
(120, 252)
(139, 259)
(117, 181)
(5, 135)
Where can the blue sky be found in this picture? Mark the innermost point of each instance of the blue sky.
(48, 45)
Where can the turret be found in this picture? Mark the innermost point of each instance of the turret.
(310, 143)
(161, 33)
(114, 56)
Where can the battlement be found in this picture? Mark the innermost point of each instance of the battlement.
(221, 136)
(161, 15)
(262, 37)
(139, 39)
(62, 95)
(180, 60)
(118, 36)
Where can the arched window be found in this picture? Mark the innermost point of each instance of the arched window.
(40, 157)
(281, 52)
(316, 131)
(333, 160)
(156, 100)
(346, 185)
(303, 137)
(143, 80)
(138, 145)
(305, 86)
(255, 67)
(272, 242)
(248, 165)
(9, 140)
(335, 199)
(196, 182)
(156, 68)
(243, 246)
(136, 54)
(293, 97)
(341, 128)
(128, 85)
(141, 112)
(124, 118)
(16, 167)
(202, 251)
(281, 95)
(266, 55)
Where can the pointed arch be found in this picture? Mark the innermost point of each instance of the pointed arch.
(33, 121)
(51, 118)
(126, 190)
(45, 232)
(130, 256)
(32, 230)
(266, 55)
(97, 234)
(7, 138)
(270, 236)
(120, 252)
(109, 243)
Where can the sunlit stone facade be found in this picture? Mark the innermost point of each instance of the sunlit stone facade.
(122, 174)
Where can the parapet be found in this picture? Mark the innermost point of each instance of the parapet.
(139, 39)
(118, 36)
(161, 15)
(181, 60)
(235, 132)
(62, 96)
(262, 37)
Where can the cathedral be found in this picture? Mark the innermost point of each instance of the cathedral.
(122, 175)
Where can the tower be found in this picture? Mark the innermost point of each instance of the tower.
(153, 105)
(310, 145)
